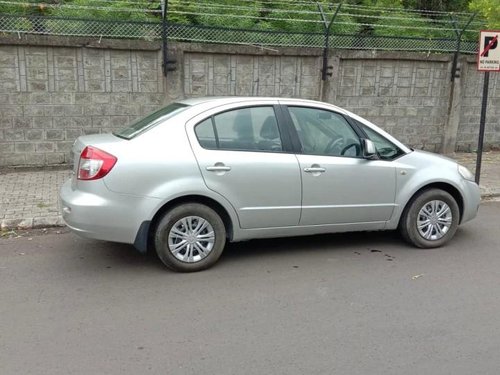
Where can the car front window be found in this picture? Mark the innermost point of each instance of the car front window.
(323, 132)
(386, 150)
(150, 121)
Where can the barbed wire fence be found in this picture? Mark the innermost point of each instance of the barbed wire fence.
(265, 23)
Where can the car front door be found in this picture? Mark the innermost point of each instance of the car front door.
(339, 185)
(242, 156)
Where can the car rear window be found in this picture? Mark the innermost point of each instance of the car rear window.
(150, 121)
(241, 129)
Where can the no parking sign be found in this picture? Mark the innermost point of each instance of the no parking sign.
(488, 58)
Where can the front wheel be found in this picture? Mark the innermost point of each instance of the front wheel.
(430, 219)
(190, 238)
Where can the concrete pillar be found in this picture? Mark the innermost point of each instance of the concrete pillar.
(450, 130)
(173, 84)
(328, 88)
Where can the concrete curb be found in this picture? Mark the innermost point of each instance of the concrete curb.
(32, 223)
(489, 196)
(57, 221)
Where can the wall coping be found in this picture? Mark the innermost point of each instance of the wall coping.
(389, 55)
(143, 45)
(77, 41)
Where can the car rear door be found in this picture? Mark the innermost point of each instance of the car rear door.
(339, 186)
(244, 156)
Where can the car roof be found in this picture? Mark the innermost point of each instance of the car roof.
(221, 100)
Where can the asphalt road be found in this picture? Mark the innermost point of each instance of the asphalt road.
(338, 304)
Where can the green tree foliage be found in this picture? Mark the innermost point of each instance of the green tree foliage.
(306, 19)
(489, 9)
(230, 13)
(409, 18)
(394, 18)
(115, 10)
(175, 6)
(436, 5)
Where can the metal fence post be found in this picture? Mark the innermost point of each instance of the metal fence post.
(482, 125)
(327, 26)
(459, 33)
(164, 25)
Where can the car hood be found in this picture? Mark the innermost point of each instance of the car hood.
(431, 157)
(425, 167)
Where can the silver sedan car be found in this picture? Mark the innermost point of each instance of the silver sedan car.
(200, 172)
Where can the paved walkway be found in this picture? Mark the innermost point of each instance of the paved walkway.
(29, 198)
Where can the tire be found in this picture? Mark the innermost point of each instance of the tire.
(437, 214)
(180, 248)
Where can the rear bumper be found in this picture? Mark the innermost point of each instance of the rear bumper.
(101, 214)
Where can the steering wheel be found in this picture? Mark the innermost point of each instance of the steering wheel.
(349, 146)
(334, 145)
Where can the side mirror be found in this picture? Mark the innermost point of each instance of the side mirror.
(369, 149)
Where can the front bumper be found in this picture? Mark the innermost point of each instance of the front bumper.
(472, 199)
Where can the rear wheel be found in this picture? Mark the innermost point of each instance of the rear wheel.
(430, 219)
(190, 238)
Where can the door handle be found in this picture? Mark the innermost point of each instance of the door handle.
(219, 168)
(314, 170)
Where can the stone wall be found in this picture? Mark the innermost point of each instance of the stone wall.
(54, 89)
(470, 111)
(51, 95)
(251, 75)
(407, 97)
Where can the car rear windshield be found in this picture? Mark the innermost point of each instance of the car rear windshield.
(150, 121)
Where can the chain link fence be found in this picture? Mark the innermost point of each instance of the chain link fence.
(44, 25)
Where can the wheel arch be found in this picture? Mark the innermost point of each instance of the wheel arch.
(144, 239)
(449, 188)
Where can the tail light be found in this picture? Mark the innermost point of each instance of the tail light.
(94, 163)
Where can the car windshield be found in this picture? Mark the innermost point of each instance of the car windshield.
(149, 121)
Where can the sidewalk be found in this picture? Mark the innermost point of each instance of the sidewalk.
(29, 198)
